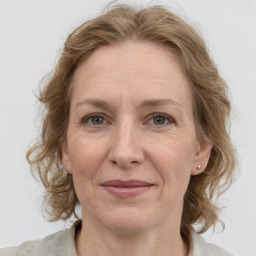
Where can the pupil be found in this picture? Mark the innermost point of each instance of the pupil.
(97, 120)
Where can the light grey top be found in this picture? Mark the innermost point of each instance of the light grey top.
(62, 243)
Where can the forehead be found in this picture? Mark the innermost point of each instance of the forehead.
(143, 69)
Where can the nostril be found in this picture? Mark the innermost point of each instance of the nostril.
(124, 162)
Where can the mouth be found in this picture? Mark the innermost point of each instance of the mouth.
(126, 189)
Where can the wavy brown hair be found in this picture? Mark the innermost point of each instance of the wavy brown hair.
(211, 107)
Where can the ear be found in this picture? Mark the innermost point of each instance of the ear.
(65, 157)
(203, 153)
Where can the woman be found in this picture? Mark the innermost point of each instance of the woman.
(135, 133)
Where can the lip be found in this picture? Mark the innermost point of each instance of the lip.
(126, 189)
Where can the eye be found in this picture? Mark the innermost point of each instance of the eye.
(94, 120)
(160, 119)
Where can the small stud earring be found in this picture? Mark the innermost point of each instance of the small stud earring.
(199, 167)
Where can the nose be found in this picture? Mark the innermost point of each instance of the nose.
(126, 150)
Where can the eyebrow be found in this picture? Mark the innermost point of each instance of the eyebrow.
(145, 104)
(158, 102)
(94, 102)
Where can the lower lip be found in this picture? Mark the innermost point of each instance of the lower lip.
(126, 192)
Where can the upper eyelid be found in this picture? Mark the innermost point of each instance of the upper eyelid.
(160, 114)
(155, 114)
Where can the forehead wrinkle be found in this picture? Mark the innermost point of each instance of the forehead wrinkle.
(104, 73)
(91, 79)
(125, 81)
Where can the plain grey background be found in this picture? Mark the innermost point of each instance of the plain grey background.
(31, 34)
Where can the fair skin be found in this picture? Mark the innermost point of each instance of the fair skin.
(131, 118)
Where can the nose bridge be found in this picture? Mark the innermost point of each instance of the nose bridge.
(125, 133)
(125, 148)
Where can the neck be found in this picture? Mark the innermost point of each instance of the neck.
(164, 242)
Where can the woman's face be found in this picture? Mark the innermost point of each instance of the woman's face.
(131, 143)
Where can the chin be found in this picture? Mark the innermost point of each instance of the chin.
(127, 221)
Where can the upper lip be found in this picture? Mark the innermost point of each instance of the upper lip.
(127, 183)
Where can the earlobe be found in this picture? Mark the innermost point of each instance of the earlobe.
(202, 156)
(65, 157)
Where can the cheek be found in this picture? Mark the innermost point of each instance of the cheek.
(174, 161)
(86, 159)
(86, 154)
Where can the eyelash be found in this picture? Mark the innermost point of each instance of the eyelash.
(86, 119)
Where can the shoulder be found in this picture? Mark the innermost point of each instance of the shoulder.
(60, 243)
(198, 247)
